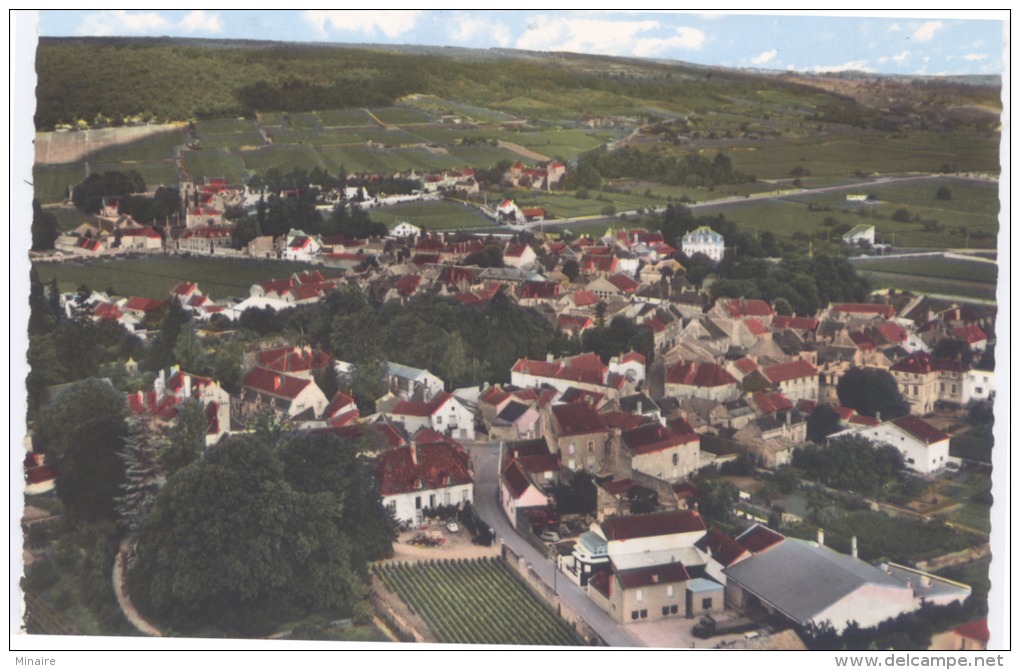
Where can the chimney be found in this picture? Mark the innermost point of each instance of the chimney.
(549, 358)
(878, 417)
(277, 382)
(821, 537)
(695, 510)
(788, 414)
(640, 407)
(655, 578)
(187, 385)
(853, 547)
(414, 451)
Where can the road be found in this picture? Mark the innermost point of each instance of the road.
(485, 458)
(733, 201)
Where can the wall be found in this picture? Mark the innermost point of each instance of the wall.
(525, 572)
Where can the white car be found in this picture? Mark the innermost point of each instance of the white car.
(549, 536)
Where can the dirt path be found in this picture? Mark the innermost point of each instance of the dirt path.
(458, 545)
(120, 589)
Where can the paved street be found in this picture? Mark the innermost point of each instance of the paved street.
(485, 459)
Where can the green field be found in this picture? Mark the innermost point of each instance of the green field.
(930, 285)
(283, 156)
(51, 181)
(247, 138)
(401, 115)
(213, 163)
(968, 491)
(936, 266)
(68, 218)
(566, 205)
(344, 117)
(435, 215)
(152, 148)
(224, 126)
(155, 173)
(972, 445)
(153, 277)
(476, 602)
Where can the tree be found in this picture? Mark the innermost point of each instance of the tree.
(572, 269)
(143, 476)
(943, 193)
(237, 546)
(954, 349)
(82, 430)
(821, 423)
(901, 215)
(871, 392)
(186, 441)
(44, 228)
(189, 352)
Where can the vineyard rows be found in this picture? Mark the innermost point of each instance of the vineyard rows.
(476, 602)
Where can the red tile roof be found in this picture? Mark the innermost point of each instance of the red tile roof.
(740, 307)
(654, 437)
(140, 232)
(494, 396)
(971, 334)
(624, 283)
(340, 402)
(670, 573)
(584, 298)
(651, 525)
(408, 284)
(275, 383)
(755, 326)
(745, 365)
(758, 538)
(722, 547)
(415, 408)
(439, 465)
(144, 304)
(922, 363)
(863, 342)
(892, 332)
(516, 481)
(769, 403)
(578, 419)
(623, 420)
(974, 630)
(793, 370)
(795, 323)
(619, 486)
(574, 324)
(515, 250)
(539, 289)
(705, 375)
(634, 357)
(920, 429)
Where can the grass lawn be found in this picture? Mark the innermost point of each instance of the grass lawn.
(68, 218)
(969, 490)
(153, 277)
(51, 181)
(212, 163)
(437, 215)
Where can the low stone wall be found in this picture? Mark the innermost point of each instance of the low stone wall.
(531, 578)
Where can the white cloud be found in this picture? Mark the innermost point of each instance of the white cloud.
(901, 56)
(858, 65)
(120, 22)
(617, 38)
(927, 31)
(975, 56)
(391, 23)
(199, 21)
(894, 28)
(467, 29)
(765, 57)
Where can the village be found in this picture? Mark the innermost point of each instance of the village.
(726, 383)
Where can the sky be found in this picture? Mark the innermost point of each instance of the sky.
(906, 43)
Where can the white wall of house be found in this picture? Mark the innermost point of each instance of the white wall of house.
(923, 458)
(310, 396)
(640, 545)
(717, 393)
(408, 506)
(801, 388)
(669, 464)
(532, 497)
(978, 385)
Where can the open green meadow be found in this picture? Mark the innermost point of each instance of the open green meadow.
(434, 215)
(52, 181)
(153, 277)
(475, 602)
(214, 163)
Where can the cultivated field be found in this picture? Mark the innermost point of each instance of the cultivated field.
(434, 215)
(153, 277)
(73, 146)
(475, 602)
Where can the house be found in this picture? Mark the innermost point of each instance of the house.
(645, 593)
(584, 371)
(925, 380)
(741, 309)
(206, 239)
(809, 583)
(973, 335)
(701, 380)
(508, 212)
(978, 385)
(669, 452)
(432, 470)
(617, 284)
(516, 421)
(295, 361)
(408, 383)
(578, 435)
(925, 449)
(722, 552)
(287, 396)
(704, 241)
(860, 234)
(518, 255)
(848, 310)
(140, 239)
(171, 387)
(404, 230)
(443, 414)
(301, 247)
(797, 380)
(970, 636)
(528, 473)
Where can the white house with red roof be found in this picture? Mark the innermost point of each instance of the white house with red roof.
(741, 308)
(301, 246)
(632, 366)
(527, 474)
(797, 380)
(973, 335)
(508, 212)
(518, 255)
(288, 396)
(432, 470)
(443, 414)
(925, 448)
(172, 387)
(405, 229)
(586, 372)
(140, 239)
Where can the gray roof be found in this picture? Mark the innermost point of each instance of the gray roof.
(702, 585)
(802, 579)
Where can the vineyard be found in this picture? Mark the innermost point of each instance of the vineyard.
(475, 602)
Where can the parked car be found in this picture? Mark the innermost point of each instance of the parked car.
(549, 536)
